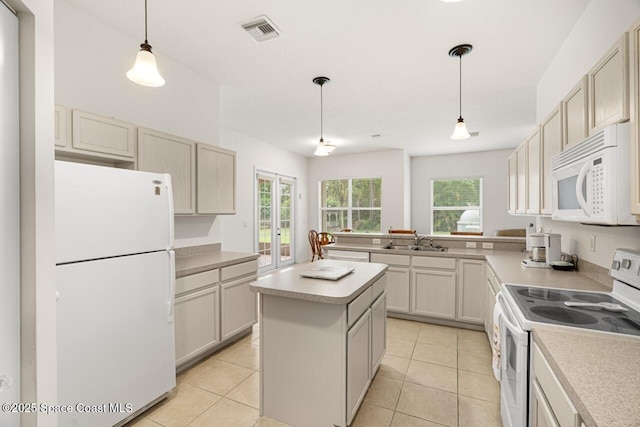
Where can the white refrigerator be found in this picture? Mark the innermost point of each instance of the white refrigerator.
(115, 282)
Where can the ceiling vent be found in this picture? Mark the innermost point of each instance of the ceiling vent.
(261, 28)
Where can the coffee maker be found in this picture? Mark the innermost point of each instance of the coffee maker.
(545, 248)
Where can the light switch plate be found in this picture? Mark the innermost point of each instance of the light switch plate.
(376, 241)
(471, 245)
(487, 245)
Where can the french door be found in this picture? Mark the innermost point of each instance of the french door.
(275, 220)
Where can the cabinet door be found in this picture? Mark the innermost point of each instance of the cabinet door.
(471, 280)
(513, 183)
(216, 178)
(634, 34)
(398, 289)
(62, 126)
(609, 87)
(238, 306)
(575, 113)
(358, 363)
(551, 134)
(163, 153)
(489, 304)
(533, 173)
(105, 135)
(434, 293)
(197, 322)
(378, 332)
(541, 412)
(521, 182)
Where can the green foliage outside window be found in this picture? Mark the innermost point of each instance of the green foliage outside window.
(456, 205)
(361, 212)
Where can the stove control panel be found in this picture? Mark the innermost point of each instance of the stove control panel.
(625, 266)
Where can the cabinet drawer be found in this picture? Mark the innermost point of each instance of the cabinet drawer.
(195, 281)
(238, 270)
(379, 286)
(434, 262)
(359, 305)
(391, 259)
(560, 403)
(493, 280)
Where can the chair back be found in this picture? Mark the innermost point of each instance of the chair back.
(313, 241)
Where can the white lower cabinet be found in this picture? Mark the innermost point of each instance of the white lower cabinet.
(358, 363)
(378, 332)
(471, 280)
(550, 405)
(197, 323)
(213, 307)
(434, 293)
(398, 280)
(492, 288)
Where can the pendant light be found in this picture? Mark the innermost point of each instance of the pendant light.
(324, 148)
(460, 131)
(145, 71)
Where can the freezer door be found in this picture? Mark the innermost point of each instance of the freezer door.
(103, 212)
(115, 336)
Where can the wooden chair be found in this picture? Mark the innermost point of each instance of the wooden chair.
(324, 238)
(315, 247)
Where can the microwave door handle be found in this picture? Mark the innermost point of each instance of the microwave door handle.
(582, 175)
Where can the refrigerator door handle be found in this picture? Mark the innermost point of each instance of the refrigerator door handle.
(172, 286)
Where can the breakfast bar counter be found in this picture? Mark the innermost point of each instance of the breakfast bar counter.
(321, 341)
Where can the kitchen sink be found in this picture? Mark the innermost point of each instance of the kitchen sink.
(415, 248)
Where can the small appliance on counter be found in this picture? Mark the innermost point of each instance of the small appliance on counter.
(545, 250)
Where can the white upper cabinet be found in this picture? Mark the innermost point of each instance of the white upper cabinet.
(216, 180)
(163, 153)
(551, 141)
(521, 181)
(513, 183)
(609, 87)
(575, 117)
(634, 48)
(103, 135)
(533, 173)
(62, 126)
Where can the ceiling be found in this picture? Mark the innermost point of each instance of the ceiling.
(388, 63)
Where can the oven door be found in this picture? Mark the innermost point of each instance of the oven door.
(514, 366)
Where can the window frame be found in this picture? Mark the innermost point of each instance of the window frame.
(350, 208)
(461, 208)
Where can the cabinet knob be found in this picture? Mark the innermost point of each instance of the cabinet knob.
(626, 263)
(615, 265)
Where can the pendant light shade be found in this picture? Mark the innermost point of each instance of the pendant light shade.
(460, 131)
(145, 70)
(324, 148)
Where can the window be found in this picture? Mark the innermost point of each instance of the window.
(351, 203)
(456, 205)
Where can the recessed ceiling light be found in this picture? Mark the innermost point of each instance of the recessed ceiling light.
(377, 135)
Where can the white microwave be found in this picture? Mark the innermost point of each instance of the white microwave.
(590, 180)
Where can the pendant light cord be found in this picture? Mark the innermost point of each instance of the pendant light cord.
(460, 86)
(145, 22)
(321, 112)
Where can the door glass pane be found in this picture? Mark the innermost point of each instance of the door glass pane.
(265, 215)
(285, 221)
(365, 221)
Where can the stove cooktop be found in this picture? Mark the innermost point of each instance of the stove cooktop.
(547, 306)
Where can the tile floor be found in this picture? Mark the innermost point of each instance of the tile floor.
(430, 376)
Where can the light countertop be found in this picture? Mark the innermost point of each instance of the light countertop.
(199, 262)
(598, 371)
(287, 282)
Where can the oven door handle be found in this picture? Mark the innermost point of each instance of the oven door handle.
(515, 330)
(581, 177)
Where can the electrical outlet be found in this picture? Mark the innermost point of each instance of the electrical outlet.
(487, 245)
(471, 245)
(376, 241)
(592, 243)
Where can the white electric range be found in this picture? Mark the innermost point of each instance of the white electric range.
(520, 307)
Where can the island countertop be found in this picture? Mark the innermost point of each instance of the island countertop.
(288, 282)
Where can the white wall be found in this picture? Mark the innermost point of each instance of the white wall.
(239, 230)
(391, 165)
(91, 60)
(489, 165)
(37, 263)
(601, 24)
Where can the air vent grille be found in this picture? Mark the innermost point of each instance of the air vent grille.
(261, 29)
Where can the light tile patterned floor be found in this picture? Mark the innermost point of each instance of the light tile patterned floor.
(430, 376)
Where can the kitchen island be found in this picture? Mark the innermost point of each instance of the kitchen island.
(321, 342)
